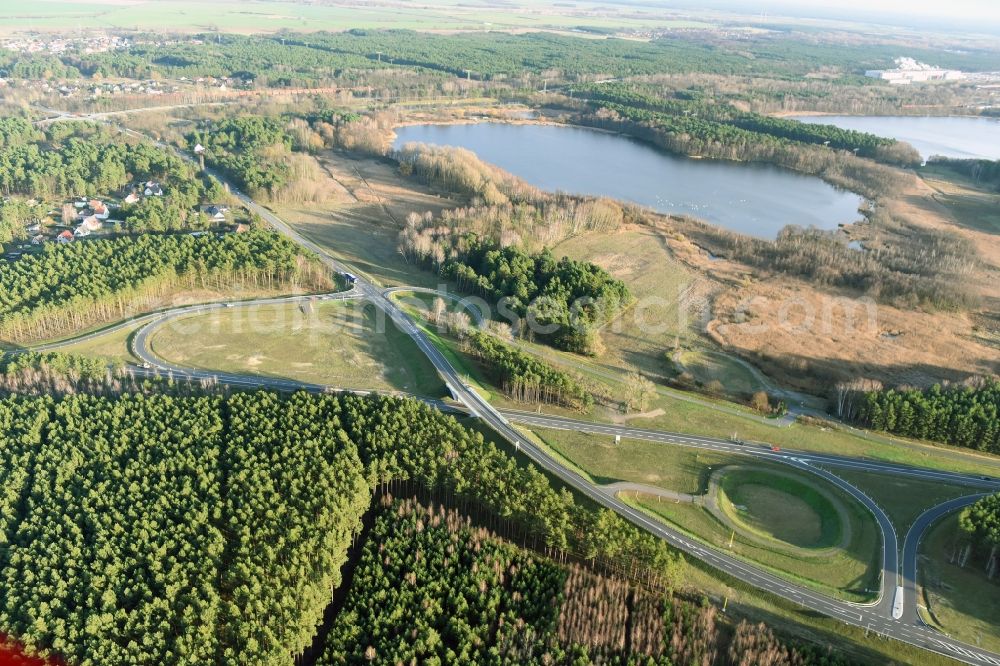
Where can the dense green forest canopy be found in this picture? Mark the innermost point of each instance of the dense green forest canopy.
(563, 301)
(522, 376)
(65, 287)
(982, 522)
(962, 415)
(235, 144)
(207, 529)
(295, 59)
(433, 588)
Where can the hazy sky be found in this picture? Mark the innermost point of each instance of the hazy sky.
(981, 14)
(968, 9)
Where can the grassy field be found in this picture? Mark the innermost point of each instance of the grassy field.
(743, 601)
(851, 573)
(962, 600)
(114, 346)
(334, 343)
(707, 366)
(271, 16)
(665, 311)
(972, 205)
(781, 507)
(668, 467)
(361, 222)
(902, 498)
(677, 411)
(853, 569)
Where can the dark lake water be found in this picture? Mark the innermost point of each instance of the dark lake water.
(949, 136)
(752, 199)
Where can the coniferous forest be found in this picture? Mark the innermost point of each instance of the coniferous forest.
(207, 529)
(67, 287)
(962, 415)
(433, 588)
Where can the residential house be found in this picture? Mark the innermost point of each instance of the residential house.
(99, 210)
(241, 228)
(153, 189)
(39, 239)
(216, 213)
(132, 198)
(91, 223)
(65, 237)
(81, 232)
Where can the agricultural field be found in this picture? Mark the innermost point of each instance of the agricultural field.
(268, 16)
(319, 342)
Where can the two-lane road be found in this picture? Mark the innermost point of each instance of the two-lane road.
(871, 618)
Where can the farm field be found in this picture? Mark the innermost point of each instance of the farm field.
(268, 16)
(330, 343)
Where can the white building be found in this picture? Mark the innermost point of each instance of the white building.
(909, 71)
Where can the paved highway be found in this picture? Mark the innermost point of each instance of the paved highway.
(873, 618)
(877, 617)
(912, 544)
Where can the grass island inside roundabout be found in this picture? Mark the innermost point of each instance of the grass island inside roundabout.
(781, 509)
(793, 523)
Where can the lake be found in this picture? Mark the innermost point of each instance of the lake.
(753, 199)
(948, 136)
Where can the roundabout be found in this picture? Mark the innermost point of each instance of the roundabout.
(780, 509)
(790, 522)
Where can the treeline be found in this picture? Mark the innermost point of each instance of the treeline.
(983, 172)
(460, 171)
(966, 415)
(685, 103)
(482, 248)
(264, 154)
(708, 130)
(523, 377)
(432, 587)
(563, 302)
(68, 287)
(981, 522)
(216, 527)
(497, 57)
(71, 366)
(908, 266)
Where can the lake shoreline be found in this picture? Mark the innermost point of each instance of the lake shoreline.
(750, 198)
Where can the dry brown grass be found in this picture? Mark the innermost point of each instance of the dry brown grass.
(764, 317)
(364, 215)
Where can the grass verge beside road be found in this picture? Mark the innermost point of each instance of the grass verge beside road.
(847, 572)
(321, 342)
(962, 600)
